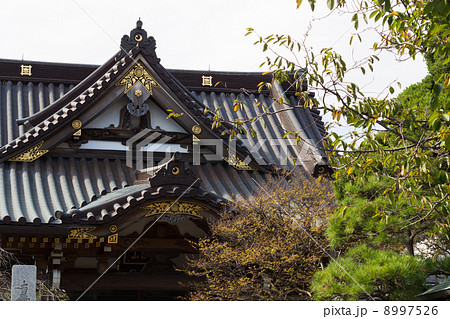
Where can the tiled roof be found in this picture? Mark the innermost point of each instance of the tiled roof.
(94, 190)
(40, 191)
(271, 129)
(443, 288)
(19, 100)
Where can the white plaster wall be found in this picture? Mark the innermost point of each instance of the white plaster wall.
(159, 118)
(103, 145)
(110, 116)
(169, 148)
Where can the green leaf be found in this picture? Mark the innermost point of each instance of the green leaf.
(437, 89)
(355, 19)
(312, 3)
(447, 143)
(387, 5)
(330, 4)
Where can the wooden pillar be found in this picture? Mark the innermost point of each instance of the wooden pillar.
(102, 263)
(41, 261)
(56, 255)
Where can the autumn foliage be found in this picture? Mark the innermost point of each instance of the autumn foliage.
(268, 247)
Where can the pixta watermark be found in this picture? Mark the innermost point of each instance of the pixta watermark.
(149, 148)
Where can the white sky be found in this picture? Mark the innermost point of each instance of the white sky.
(195, 34)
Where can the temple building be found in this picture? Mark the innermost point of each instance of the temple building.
(126, 160)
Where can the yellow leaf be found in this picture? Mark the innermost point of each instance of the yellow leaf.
(350, 170)
(447, 82)
(236, 107)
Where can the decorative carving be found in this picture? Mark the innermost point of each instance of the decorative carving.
(134, 258)
(76, 124)
(178, 208)
(138, 87)
(196, 129)
(138, 74)
(237, 162)
(25, 70)
(173, 220)
(175, 172)
(133, 122)
(123, 134)
(207, 80)
(101, 134)
(81, 233)
(30, 154)
(138, 37)
(113, 239)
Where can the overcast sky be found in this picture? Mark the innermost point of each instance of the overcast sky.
(195, 34)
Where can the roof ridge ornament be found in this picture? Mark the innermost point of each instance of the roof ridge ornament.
(138, 37)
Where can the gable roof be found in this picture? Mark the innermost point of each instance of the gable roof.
(76, 188)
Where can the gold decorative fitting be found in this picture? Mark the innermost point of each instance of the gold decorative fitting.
(113, 228)
(237, 162)
(81, 233)
(138, 93)
(25, 70)
(30, 154)
(113, 239)
(76, 124)
(196, 129)
(138, 37)
(175, 171)
(179, 208)
(207, 80)
(138, 73)
(77, 133)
